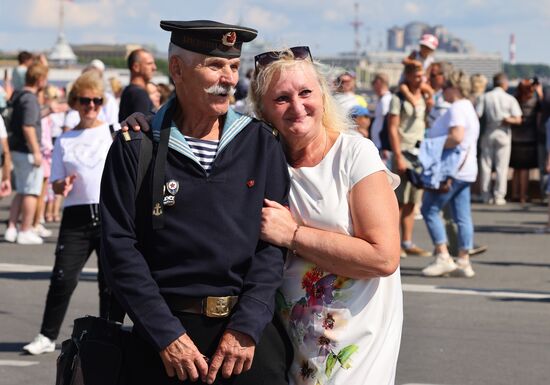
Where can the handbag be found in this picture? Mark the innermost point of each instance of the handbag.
(94, 355)
(415, 177)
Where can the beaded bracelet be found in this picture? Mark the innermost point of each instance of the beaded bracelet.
(293, 242)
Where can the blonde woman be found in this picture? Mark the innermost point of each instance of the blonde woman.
(341, 297)
(77, 166)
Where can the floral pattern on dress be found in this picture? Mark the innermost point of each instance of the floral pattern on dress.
(314, 321)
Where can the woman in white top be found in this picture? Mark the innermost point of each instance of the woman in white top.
(341, 299)
(77, 165)
(461, 126)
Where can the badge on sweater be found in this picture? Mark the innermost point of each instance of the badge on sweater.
(172, 186)
(169, 200)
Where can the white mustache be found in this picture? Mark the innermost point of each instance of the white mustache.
(218, 89)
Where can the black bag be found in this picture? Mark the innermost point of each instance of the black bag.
(94, 355)
(416, 180)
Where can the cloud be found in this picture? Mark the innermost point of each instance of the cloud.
(476, 3)
(94, 37)
(412, 8)
(45, 14)
(266, 20)
(333, 15)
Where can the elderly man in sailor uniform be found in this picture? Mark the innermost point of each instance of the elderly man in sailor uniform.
(182, 251)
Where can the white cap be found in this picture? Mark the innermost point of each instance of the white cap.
(96, 63)
(429, 41)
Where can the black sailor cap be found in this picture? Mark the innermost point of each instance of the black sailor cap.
(209, 37)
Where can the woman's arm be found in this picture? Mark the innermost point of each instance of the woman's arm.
(372, 252)
(455, 136)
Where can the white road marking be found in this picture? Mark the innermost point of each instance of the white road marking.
(18, 363)
(415, 288)
(407, 287)
(20, 268)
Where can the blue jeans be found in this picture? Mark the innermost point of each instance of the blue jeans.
(459, 200)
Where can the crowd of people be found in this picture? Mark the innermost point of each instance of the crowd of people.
(35, 114)
(306, 218)
(443, 124)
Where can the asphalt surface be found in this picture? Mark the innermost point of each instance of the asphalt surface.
(491, 329)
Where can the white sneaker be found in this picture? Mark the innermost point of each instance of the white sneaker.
(463, 269)
(443, 265)
(41, 344)
(41, 231)
(10, 235)
(28, 237)
(500, 201)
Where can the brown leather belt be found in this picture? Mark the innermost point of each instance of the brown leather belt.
(214, 307)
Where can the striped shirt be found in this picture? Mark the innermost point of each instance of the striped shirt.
(204, 150)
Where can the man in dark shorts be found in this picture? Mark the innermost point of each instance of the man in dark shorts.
(135, 98)
(183, 254)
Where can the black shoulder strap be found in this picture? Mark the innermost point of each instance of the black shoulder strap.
(159, 170)
(145, 156)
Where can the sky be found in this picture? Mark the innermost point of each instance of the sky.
(324, 25)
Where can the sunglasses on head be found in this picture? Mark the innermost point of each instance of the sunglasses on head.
(86, 101)
(266, 58)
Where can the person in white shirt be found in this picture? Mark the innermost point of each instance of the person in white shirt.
(77, 166)
(5, 181)
(380, 84)
(341, 299)
(500, 110)
(460, 125)
(345, 92)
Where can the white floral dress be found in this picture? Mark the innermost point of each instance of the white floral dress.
(344, 331)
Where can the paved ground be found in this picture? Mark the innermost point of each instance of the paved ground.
(492, 329)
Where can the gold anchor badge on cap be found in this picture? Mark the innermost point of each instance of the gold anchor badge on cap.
(229, 39)
(172, 186)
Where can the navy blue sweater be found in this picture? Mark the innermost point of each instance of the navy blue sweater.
(209, 245)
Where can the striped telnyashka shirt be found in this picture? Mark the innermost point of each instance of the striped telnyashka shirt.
(204, 150)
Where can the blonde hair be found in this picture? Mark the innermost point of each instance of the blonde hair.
(116, 85)
(51, 92)
(88, 81)
(461, 81)
(334, 117)
(479, 84)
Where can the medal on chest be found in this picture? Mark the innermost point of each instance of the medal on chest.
(170, 188)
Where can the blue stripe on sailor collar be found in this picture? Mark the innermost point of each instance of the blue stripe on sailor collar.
(234, 123)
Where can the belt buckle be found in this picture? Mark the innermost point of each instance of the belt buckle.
(217, 307)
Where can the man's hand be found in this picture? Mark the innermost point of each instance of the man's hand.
(137, 121)
(182, 358)
(5, 188)
(37, 159)
(235, 351)
(278, 226)
(400, 164)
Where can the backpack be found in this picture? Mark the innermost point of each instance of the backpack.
(7, 113)
(384, 136)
